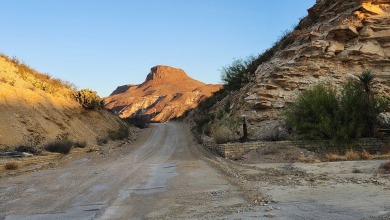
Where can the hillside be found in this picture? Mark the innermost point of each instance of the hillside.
(167, 93)
(338, 39)
(34, 107)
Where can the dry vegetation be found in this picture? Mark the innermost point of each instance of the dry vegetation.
(11, 166)
(41, 81)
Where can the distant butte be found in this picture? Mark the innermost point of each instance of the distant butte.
(167, 93)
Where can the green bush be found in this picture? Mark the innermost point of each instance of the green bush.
(120, 134)
(237, 74)
(359, 107)
(89, 99)
(313, 114)
(319, 113)
(240, 72)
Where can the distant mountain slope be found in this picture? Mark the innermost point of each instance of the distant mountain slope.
(167, 93)
(36, 106)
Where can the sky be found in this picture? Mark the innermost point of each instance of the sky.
(102, 44)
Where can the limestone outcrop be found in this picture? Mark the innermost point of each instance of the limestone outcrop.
(338, 39)
(167, 93)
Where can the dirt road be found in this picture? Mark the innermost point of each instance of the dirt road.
(168, 176)
(164, 177)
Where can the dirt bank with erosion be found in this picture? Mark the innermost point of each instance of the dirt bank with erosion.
(165, 175)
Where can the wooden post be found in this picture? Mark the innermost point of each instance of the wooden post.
(244, 138)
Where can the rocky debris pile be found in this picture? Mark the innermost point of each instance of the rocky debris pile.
(167, 93)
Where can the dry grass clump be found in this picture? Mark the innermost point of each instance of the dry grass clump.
(352, 155)
(349, 155)
(11, 166)
(332, 156)
(365, 155)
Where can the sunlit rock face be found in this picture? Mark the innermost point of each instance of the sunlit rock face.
(338, 39)
(167, 93)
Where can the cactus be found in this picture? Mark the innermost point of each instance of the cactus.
(89, 99)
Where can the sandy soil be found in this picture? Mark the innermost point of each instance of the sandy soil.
(165, 175)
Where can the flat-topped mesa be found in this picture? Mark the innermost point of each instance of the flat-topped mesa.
(165, 73)
(167, 93)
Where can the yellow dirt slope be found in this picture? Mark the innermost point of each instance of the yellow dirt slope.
(36, 105)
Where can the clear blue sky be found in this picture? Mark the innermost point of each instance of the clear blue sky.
(103, 44)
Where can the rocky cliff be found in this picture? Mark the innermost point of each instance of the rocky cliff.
(338, 39)
(37, 108)
(167, 93)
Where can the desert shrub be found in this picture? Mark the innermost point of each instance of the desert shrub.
(238, 73)
(204, 120)
(140, 121)
(313, 114)
(39, 80)
(62, 147)
(33, 140)
(352, 155)
(332, 156)
(102, 140)
(365, 155)
(80, 144)
(319, 113)
(43, 86)
(62, 144)
(89, 99)
(121, 133)
(222, 135)
(28, 149)
(31, 144)
(11, 166)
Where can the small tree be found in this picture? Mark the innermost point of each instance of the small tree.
(89, 99)
(360, 106)
(237, 74)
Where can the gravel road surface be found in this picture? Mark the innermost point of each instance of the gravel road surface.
(166, 175)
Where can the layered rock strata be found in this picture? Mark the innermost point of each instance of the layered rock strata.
(338, 39)
(167, 93)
